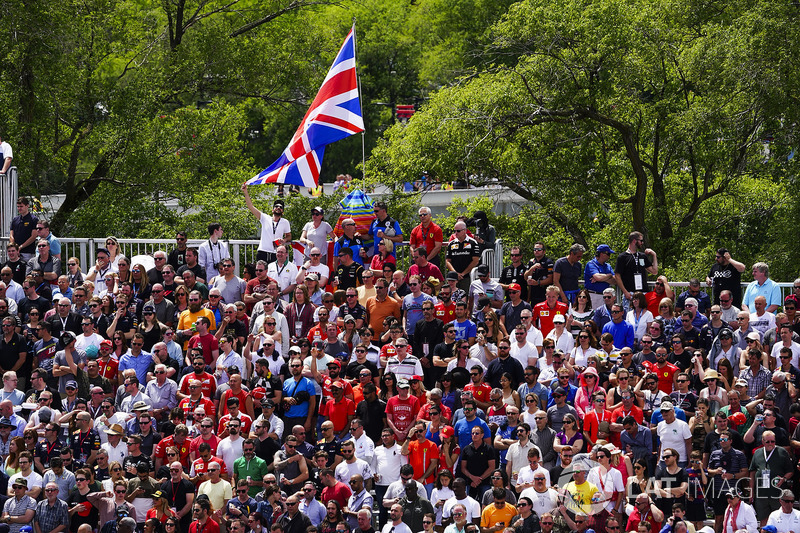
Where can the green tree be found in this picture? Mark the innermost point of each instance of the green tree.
(620, 114)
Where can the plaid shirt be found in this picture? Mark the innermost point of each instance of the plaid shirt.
(19, 507)
(49, 516)
(757, 383)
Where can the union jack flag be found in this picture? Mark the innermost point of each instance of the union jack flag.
(334, 115)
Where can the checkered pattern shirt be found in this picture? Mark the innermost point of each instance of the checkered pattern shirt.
(49, 516)
(757, 383)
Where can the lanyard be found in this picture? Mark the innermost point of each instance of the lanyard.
(766, 457)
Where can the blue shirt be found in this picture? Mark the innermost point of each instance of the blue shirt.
(291, 388)
(594, 267)
(507, 433)
(571, 392)
(378, 225)
(139, 364)
(465, 330)
(622, 333)
(769, 290)
(464, 429)
(413, 307)
(602, 316)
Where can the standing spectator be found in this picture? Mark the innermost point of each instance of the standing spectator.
(598, 275)
(23, 226)
(485, 234)
(43, 231)
(567, 271)
(762, 285)
(463, 254)
(382, 227)
(428, 235)
(633, 266)
(316, 233)
(275, 229)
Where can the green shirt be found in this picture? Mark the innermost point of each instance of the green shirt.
(256, 468)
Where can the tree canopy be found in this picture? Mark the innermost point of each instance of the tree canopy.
(615, 115)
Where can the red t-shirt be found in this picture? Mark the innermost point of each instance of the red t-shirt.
(402, 412)
(665, 375)
(213, 442)
(480, 391)
(183, 449)
(620, 413)
(420, 456)
(635, 519)
(445, 313)
(210, 527)
(428, 237)
(337, 412)
(188, 405)
(108, 369)
(339, 492)
(591, 422)
(201, 467)
(223, 402)
(208, 342)
(244, 420)
(653, 301)
(208, 383)
(543, 315)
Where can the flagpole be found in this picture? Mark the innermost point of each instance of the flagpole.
(360, 99)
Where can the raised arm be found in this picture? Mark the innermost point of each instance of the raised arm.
(249, 203)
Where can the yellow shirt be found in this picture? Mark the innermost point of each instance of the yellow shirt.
(579, 499)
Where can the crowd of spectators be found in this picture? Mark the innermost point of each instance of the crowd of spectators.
(345, 395)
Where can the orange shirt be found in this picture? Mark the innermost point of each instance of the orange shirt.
(420, 456)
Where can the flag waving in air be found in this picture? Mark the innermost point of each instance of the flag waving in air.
(334, 115)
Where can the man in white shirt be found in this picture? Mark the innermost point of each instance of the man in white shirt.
(787, 518)
(275, 228)
(674, 434)
(786, 342)
(212, 251)
(365, 448)
(230, 448)
(314, 265)
(396, 524)
(284, 272)
(522, 349)
(117, 450)
(544, 499)
(608, 481)
(89, 337)
(352, 465)
(461, 498)
(532, 333)
(386, 464)
(762, 320)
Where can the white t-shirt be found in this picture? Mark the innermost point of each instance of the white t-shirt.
(472, 506)
(582, 357)
(399, 528)
(387, 462)
(345, 471)
(608, 483)
(285, 275)
(471, 361)
(543, 502)
(674, 436)
(526, 474)
(785, 522)
(565, 342)
(318, 236)
(534, 336)
(270, 231)
(525, 353)
(33, 479)
(776, 352)
(229, 451)
(83, 342)
(762, 323)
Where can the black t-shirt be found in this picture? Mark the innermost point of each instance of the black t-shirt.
(354, 367)
(131, 460)
(512, 274)
(461, 253)
(199, 271)
(712, 441)
(726, 278)
(670, 481)
(91, 516)
(686, 401)
(175, 493)
(570, 274)
(349, 276)
(25, 305)
(266, 449)
(372, 414)
(359, 312)
(10, 350)
(630, 264)
(477, 459)
(177, 258)
(18, 270)
(23, 227)
(537, 293)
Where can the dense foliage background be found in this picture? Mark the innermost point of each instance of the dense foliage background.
(677, 118)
